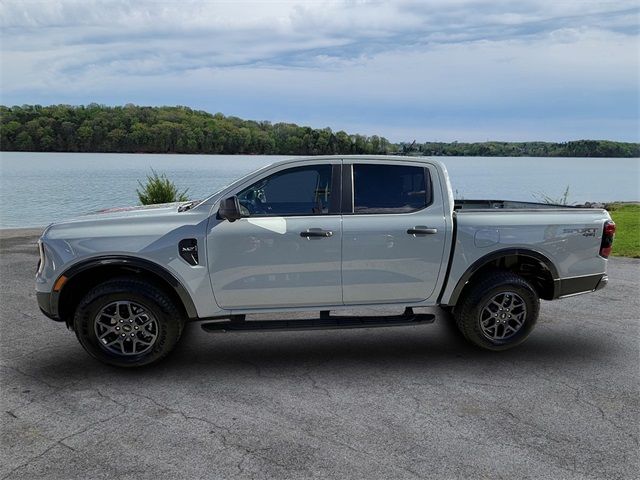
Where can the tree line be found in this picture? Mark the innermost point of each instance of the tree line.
(134, 129)
(137, 129)
(578, 148)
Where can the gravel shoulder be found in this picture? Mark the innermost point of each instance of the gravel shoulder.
(412, 402)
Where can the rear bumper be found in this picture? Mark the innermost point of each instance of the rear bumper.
(44, 302)
(604, 281)
(568, 287)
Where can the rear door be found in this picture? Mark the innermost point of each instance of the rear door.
(285, 251)
(393, 231)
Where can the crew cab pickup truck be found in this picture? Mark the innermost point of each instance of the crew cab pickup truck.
(317, 235)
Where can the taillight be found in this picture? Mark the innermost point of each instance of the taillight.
(608, 233)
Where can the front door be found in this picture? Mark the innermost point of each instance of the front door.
(285, 251)
(393, 233)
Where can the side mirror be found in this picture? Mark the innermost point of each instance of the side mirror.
(229, 209)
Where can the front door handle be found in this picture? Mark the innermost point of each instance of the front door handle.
(316, 232)
(420, 230)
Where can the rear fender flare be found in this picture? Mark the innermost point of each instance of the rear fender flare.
(507, 252)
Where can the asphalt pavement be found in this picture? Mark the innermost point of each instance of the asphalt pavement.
(388, 403)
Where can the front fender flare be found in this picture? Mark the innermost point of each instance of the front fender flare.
(133, 263)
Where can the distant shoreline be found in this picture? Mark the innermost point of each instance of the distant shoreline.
(98, 128)
(304, 155)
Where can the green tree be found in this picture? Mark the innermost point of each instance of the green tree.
(24, 142)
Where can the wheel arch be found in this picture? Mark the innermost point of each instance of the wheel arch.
(534, 266)
(83, 276)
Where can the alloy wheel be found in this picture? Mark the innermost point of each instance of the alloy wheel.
(126, 328)
(503, 316)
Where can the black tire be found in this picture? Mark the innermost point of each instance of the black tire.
(169, 321)
(469, 311)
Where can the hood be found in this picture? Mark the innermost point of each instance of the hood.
(128, 230)
(139, 211)
(135, 211)
(141, 220)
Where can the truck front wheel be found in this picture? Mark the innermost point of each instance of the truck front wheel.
(126, 322)
(498, 312)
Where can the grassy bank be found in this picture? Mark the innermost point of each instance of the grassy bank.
(627, 218)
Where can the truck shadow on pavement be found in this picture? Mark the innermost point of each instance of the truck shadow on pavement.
(436, 349)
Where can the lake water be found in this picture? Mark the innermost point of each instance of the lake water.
(39, 188)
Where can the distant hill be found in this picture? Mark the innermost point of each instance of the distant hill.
(577, 148)
(135, 129)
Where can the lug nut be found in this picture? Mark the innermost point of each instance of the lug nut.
(133, 334)
(117, 328)
(136, 327)
(121, 321)
(124, 334)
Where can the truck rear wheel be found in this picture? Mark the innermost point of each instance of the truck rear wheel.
(126, 322)
(499, 312)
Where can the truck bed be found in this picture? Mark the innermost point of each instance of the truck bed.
(567, 237)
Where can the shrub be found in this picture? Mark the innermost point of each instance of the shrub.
(159, 189)
(544, 198)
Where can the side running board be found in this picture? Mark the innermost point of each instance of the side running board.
(239, 324)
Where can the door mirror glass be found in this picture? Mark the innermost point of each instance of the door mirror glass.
(230, 209)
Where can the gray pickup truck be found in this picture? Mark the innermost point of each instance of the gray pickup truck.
(319, 234)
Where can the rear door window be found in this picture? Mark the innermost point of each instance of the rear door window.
(390, 188)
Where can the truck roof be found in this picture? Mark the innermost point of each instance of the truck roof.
(386, 158)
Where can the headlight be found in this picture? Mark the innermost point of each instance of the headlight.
(41, 261)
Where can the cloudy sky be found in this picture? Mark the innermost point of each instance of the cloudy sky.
(426, 70)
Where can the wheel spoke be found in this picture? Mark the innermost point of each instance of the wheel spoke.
(148, 322)
(108, 344)
(107, 332)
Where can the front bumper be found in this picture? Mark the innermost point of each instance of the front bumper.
(44, 302)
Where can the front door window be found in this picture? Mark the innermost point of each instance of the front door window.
(295, 191)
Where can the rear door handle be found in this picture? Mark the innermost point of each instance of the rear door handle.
(316, 232)
(420, 230)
